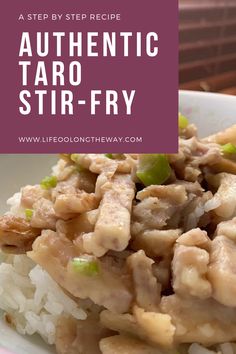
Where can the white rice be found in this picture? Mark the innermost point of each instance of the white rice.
(32, 299)
(15, 207)
(35, 302)
(29, 296)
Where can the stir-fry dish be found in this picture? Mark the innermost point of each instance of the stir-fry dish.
(126, 253)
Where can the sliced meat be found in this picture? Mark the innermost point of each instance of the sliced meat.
(192, 156)
(99, 163)
(103, 166)
(202, 321)
(16, 234)
(190, 173)
(73, 228)
(76, 203)
(195, 237)
(122, 323)
(162, 271)
(224, 165)
(90, 246)
(227, 228)
(53, 250)
(190, 266)
(83, 180)
(89, 333)
(207, 155)
(66, 333)
(157, 327)
(223, 137)
(64, 168)
(109, 288)
(112, 229)
(68, 186)
(31, 194)
(80, 337)
(197, 211)
(156, 243)
(152, 327)
(225, 195)
(175, 193)
(126, 345)
(87, 181)
(191, 187)
(44, 216)
(189, 131)
(102, 179)
(151, 213)
(178, 205)
(158, 206)
(147, 290)
(222, 270)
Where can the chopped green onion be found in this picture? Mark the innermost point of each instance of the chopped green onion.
(115, 156)
(229, 148)
(85, 266)
(75, 157)
(49, 182)
(109, 156)
(28, 214)
(153, 169)
(183, 121)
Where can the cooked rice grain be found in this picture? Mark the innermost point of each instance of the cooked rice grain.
(32, 299)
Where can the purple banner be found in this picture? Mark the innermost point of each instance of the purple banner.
(89, 76)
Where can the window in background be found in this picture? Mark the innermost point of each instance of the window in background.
(208, 45)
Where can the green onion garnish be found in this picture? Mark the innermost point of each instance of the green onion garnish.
(49, 182)
(153, 169)
(183, 121)
(109, 156)
(88, 267)
(28, 214)
(75, 157)
(229, 148)
(115, 156)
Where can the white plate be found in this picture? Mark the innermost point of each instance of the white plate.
(210, 112)
(19, 170)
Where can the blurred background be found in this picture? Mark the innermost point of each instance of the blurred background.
(208, 45)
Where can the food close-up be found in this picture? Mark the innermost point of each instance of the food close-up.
(127, 253)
